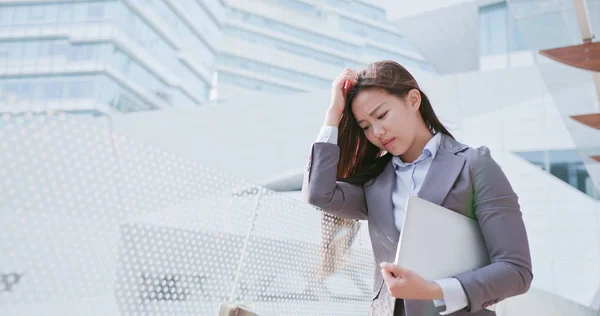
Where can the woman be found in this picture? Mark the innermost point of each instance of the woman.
(391, 145)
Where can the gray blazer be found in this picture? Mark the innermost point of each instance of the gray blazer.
(463, 179)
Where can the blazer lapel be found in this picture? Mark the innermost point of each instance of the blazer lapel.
(445, 169)
(381, 195)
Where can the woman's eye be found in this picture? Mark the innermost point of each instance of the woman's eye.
(365, 128)
(382, 116)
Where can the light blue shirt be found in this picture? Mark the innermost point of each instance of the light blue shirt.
(410, 177)
(409, 180)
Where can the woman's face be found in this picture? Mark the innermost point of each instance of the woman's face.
(389, 122)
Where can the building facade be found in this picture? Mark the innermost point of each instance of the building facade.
(107, 57)
(292, 46)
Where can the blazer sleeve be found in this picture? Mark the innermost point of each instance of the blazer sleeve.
(321, 188)
(498, 213)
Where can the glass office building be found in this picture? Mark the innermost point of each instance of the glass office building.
(314, 39)
(113, 56)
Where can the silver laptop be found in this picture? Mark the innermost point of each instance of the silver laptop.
(437, 243)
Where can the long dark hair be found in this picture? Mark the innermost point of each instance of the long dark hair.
(360, 160)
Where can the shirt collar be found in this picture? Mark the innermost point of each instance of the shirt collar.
(430, 150)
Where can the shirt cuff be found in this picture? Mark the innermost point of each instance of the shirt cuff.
(455, 297)
(328, 134)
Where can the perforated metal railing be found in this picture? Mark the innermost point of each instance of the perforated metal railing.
(94, 223)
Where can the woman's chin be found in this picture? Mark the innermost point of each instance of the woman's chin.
(397, 152)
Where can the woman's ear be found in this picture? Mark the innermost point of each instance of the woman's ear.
(414, 99)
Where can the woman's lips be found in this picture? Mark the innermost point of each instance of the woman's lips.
(388, 143)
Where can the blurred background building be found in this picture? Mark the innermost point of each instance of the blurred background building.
(291, 46)
(108, 57)
(152, 133)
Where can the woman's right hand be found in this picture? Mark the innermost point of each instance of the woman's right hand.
(338, 96)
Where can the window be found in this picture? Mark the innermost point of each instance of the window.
(6, 16)
(99, 87)
(368, 11)
(292, 31)
(30, 49)
(33, 48)
(15, 49)
(209, 27)
(119, 97)
(36, 13)
(255, 84)
(361, 9)
(65, 13)
(376, 34)
(379, 54)
(81, 89)
(51, 13)
(76, 52)
(43, 49)
(20, 15)
(290, 75)
(58, 47)
(566, 165)
(292, 48)
(301, 6)
(54, 90)
(95, 11)
(27, 91)
(4, 50)
(12, 88)
(189, 38)
(216, 9)
(498, 31)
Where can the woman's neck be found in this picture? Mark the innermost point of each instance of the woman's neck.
(415, 150)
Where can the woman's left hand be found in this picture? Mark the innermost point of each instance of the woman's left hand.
(405, 284)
